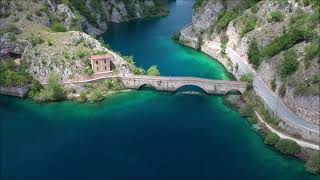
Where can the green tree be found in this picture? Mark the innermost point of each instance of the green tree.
(55, 85)
(289, 63)
(83, 97)
(53, 91)
(57, 27)
(96, 96)
(35, 88)
(288, 147)
(311, 51)
(313, 164)
(247, 24)
(247, 111)
(271, 138)
(248, 78)
(253, 53)
(153, 71)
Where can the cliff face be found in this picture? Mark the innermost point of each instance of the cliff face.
(37, 32)
(207, 12)
(93, 16)
(264, 22)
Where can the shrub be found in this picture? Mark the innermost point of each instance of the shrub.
(153, 71)
(82, 53)
(39, 13)
(83, 97)
(247, 24)
(80, 5)
(297, 14)
(197, 4)
(57, 27)
(103, 43)
(129, 59)
(287, 40)
(13, 29)
(288, 147)
(275, 16)
(96, 96)
(247, 111)
(12, 75)
(254, 9)
(253, 53)
(224, 40)
(36, 40)
(137, 70)
(248, 78)
(50, 43)
(157, 10)
(271, 138)
(225, 17)
(282, 90)
(313, 164)
(289, 64)
(311, 51)
(74, 24)
(52, 92)
(35, 88)
(273, 84)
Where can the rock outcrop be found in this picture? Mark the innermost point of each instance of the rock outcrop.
(93, 17)
(208, 13)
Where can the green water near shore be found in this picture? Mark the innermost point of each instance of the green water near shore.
(141, 134)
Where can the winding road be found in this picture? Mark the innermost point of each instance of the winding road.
(273, 102)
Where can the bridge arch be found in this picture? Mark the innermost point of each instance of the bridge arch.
(190, 88)
(233, 92)
(147, 86)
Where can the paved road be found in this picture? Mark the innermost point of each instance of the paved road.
(269, 97)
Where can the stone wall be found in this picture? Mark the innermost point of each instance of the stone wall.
(188, 37)
(14, 91)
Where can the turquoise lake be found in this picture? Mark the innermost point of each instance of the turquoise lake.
(141, 134)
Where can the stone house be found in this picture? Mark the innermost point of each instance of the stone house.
(101, 63)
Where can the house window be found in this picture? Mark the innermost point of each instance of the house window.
(97, 69)
(105, 68)
(105, 61)
(96, 62)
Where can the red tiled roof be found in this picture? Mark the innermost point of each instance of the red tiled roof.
(100, 57)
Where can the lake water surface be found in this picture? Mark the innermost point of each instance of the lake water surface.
(141, 134)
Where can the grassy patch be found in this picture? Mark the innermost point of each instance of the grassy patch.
(57, 27)
(275, 16)
(247, 24)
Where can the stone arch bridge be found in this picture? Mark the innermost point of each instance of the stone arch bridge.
(171, 84)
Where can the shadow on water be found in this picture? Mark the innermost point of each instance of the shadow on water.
(191, 89)
(147, 87)
(187, 89)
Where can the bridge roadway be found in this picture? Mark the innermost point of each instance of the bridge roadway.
(171, 84)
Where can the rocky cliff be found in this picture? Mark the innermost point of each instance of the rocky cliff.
(285, 35)
(46, 34)
(93, 16)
